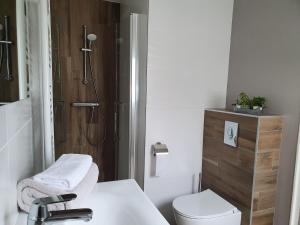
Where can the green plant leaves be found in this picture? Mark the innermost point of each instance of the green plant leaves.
(246, 102)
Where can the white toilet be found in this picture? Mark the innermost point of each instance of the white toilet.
(205, 208)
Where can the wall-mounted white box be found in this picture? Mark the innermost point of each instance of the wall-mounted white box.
(231, 133)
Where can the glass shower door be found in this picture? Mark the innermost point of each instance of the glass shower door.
(132, 97)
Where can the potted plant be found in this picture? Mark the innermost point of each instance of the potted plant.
(259, 103)
(243, 101)
(244, 104)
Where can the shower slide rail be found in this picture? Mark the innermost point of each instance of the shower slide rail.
(5, 51)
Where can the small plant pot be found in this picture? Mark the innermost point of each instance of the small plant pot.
(245, 107)
(241, 108)
(257, 110)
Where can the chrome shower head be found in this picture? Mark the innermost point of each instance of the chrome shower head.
(91, 38)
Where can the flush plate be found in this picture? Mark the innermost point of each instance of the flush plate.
(231, 133)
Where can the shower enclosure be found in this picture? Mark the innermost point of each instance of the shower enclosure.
(98, 87)
(9, 91)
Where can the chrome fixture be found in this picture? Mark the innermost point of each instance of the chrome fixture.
(5, 54)
(160, 149)
(86, 49)
(39, 214)
(87, 58)
(91, 38)
(85, 104)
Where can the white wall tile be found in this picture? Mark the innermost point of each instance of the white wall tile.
(163, 191)
(17, 114)
(22, 165)
(16, 155)
(188, 58)
(188, 51)
(2, 128)
(181, 129)
(5, 188)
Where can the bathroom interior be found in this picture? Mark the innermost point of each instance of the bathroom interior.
(124, 112)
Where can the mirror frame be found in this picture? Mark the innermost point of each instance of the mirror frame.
(22, 49)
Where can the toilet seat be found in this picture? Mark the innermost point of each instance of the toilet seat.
(203, 205)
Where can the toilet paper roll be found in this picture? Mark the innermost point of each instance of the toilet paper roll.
(161, 160)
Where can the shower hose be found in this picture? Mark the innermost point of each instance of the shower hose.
(94, 108)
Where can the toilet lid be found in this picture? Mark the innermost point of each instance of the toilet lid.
(203, 205)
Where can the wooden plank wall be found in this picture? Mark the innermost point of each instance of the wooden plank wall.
(226, 170)
(9, 90)
(73, 125)
(231, 172)
(266, 170)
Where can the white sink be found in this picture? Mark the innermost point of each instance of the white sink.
(117, 203)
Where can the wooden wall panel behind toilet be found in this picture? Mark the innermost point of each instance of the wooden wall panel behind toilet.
(266, 170)
(246, 175)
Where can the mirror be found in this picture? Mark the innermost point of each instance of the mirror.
(13, 75)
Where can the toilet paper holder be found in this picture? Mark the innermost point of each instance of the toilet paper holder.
(160, 149)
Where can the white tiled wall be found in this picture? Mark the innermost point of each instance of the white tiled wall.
(188, 56)
(16, 155)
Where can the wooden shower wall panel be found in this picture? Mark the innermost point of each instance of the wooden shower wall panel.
(73, 125)
(247, 175)
(227, 170)
(9, 90)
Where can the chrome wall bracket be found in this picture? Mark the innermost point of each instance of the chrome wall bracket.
(160, 149)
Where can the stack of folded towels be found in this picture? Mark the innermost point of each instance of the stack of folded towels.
(71, 173)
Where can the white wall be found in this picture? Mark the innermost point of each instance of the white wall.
(188, 58)
(16, 155)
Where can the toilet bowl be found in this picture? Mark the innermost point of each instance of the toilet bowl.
(205, 208)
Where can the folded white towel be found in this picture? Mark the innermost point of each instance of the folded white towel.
(29, 190)
(66, 173)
